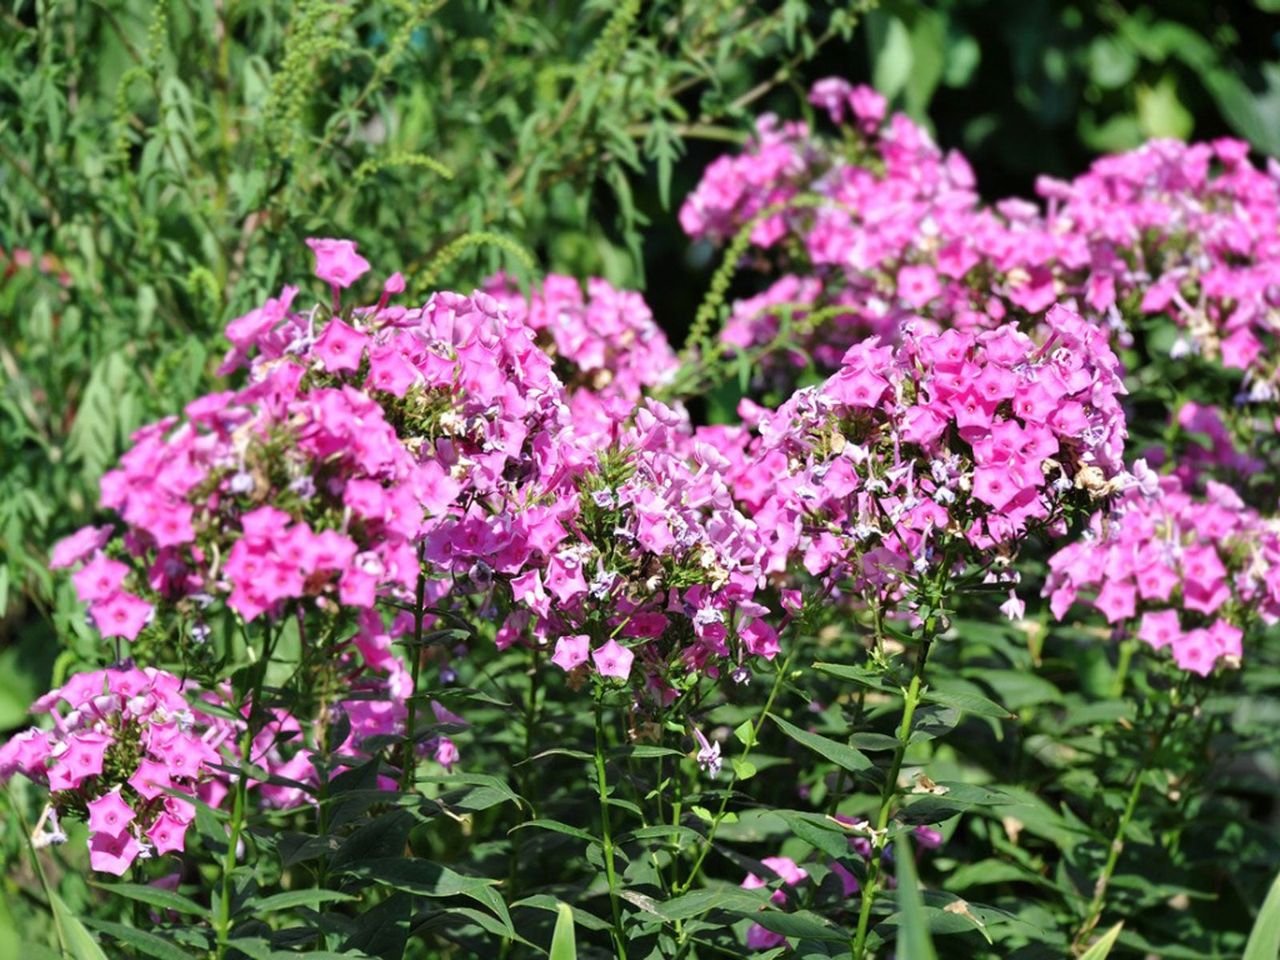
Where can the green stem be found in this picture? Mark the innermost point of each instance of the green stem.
(409, 766)
(606, 836)
(1122, 667)
(757, 724)
(239, 802)
(49, 892)
(677, 811)
(1094, 912)
(871, 885)
(531, 706)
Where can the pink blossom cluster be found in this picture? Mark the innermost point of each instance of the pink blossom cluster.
(661, 557)
(605, 343)
(1184, 573)
(944, 450)
(125, 746)
(384, 443)
(736, 189)
(355, 443)
(100, 583)
(1188, 232)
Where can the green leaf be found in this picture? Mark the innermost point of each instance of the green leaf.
(662, 831)
(582, 918)
(893, 55)
(817, 831)
(422, 877)
(697, 902)
(563, 942)
(294, 898)
(644, 751)
(803, 924)
(384, 836)
(993, 871)
(156, 897)
(840, 754)
(76, 940)
(556, 827)
(1102, 949)
(1264, 939)
(913, 942)
(1161, 113)
(557, 752)
(859, 675)
(146, 943)
(430, 879)
(743, 769)
(968, 703)
(1251, 113)
(959, 797)
(383, 931)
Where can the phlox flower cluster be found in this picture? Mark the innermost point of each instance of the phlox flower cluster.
(944, 451)
(356, 443)
(661, 556)
(606, 346)
(377, 445)
(126, 746)
(1188, 232)
(1183, 573)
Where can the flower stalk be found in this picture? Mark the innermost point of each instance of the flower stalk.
(606, 835)
(872, 883)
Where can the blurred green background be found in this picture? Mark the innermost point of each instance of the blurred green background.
(161, 163)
